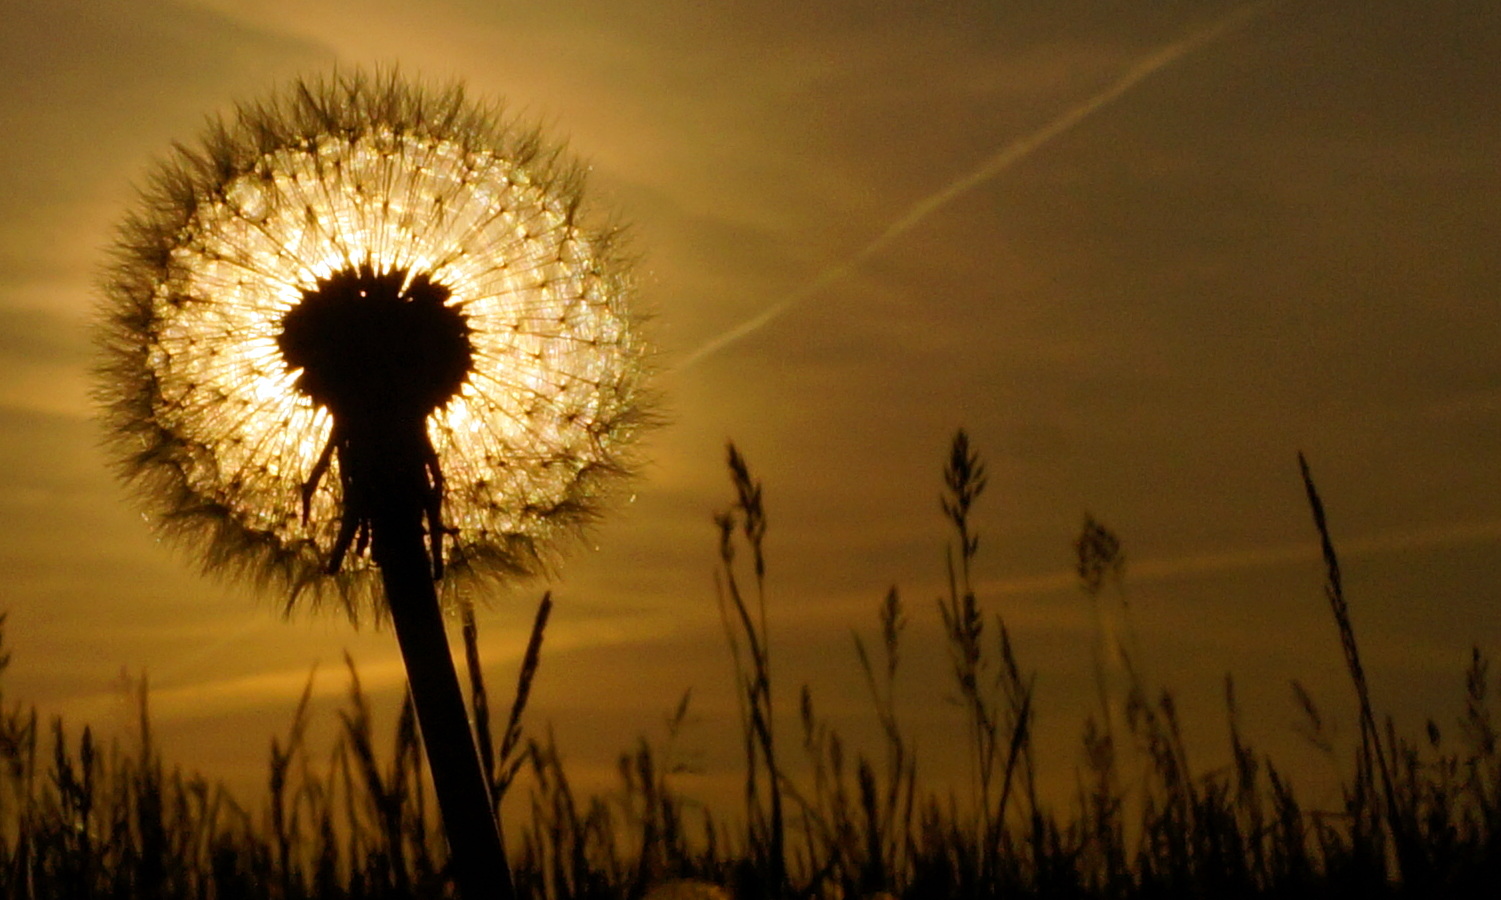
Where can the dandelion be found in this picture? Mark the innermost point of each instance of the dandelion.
(360, 339)
(356, 248)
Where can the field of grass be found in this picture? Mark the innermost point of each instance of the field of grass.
(1421, 816)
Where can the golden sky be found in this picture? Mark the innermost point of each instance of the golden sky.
(1144, 253)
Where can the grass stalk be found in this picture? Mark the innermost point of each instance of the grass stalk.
(1372, 753)
(753, 675)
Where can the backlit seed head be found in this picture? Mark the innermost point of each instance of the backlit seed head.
(362, 246)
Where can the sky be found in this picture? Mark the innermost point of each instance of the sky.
(1143, 253)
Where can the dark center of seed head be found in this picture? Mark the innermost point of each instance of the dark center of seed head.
(377, 349)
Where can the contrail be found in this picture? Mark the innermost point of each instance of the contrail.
(997, 163)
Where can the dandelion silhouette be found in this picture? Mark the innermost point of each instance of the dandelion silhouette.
(362, 335)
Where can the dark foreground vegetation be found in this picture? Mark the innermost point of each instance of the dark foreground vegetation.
(1420, 817)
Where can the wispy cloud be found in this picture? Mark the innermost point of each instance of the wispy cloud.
(1254, 558)
(379, 673)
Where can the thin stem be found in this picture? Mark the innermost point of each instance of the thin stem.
(476, 849)
(1370, 737)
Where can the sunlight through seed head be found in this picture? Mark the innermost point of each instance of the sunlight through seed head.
(374, 178)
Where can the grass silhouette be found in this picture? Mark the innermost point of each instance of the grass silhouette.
(1419, 817)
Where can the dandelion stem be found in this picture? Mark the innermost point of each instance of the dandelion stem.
(475, 846)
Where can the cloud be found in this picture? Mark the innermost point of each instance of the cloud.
(86, 79)
(379, 665)
(94, 90)
(45, 343)
(41, 336)
(1377, 544)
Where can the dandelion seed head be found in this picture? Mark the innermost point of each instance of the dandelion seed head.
(351, 184)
